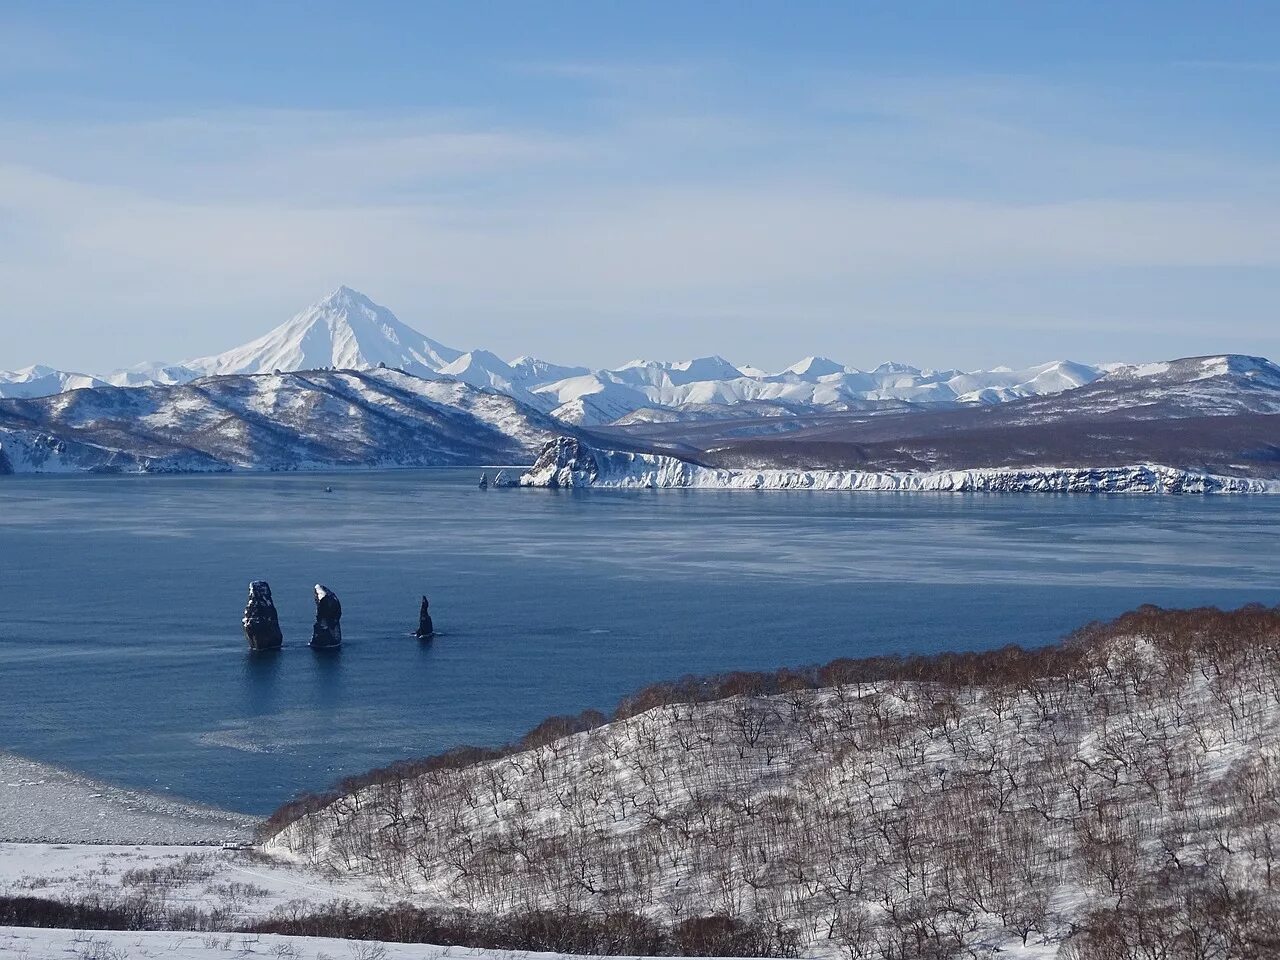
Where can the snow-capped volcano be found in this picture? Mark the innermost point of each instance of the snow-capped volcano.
(345, 330)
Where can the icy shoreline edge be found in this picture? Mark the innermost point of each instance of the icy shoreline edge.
(45, 803)
(566, 462)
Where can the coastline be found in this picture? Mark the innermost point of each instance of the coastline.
(569, 463)
(43, 803)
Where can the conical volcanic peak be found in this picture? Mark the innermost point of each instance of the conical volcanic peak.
(346, 330)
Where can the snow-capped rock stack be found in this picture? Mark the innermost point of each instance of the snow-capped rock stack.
(261, 624)
(563, 462)
(327, 632)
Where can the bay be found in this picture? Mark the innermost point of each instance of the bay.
(121, 654)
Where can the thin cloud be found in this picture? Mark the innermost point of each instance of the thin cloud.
(654, 211)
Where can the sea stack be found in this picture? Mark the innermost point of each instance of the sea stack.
(426, 629)
(327, 633)
(261, 625)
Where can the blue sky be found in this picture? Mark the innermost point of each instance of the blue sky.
(950, 184)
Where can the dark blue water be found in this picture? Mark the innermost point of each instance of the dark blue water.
(120, 599)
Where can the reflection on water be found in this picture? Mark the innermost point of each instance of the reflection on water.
(327, 694)
(261, 679)
(121, 651)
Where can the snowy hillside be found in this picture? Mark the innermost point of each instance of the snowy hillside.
(488, 371)
(1192, 386)
(948, 806)
(41, 381)
(291, 421)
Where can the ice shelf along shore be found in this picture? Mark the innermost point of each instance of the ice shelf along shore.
(566, 462)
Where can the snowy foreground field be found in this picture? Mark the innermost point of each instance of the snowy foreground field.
(21, 943)
(239, 886)
(67, 837)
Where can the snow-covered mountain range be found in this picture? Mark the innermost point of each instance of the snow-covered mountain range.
(644, 390)
(345, 383)
(1216, 415)
(347, 330)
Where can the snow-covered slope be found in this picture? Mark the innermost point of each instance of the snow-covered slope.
(488, 371)
(813, 369)
(34, 943)
(303, 420)
(531, 372)
(1192, 386)
(1003, 805)
(42, 381)
(605, 396)
(152, 373)
(345, 330)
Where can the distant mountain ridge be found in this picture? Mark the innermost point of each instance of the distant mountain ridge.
(344, 383)
(1218, 415)
(604, 396)
(347, 330)
(321, 419)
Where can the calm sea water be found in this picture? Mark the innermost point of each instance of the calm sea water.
(121, 653)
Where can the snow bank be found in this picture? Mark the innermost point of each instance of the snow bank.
(566, 462)
(38, 944)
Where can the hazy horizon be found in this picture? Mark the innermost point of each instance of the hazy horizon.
(729, 355)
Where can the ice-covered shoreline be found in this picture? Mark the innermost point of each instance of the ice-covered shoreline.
(566, 462)
(42, 803)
